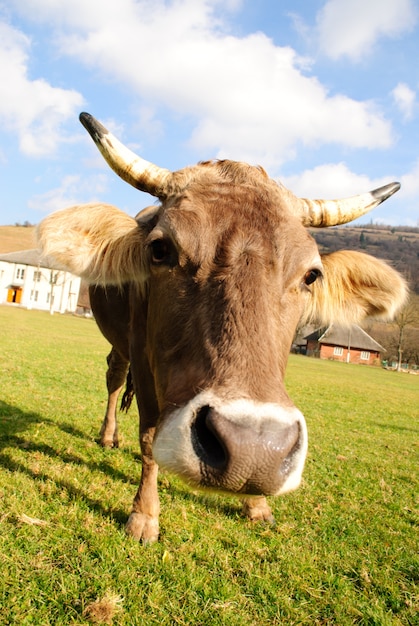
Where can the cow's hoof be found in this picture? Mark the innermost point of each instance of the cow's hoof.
(258, 510)
(109, 443)
(142, 527)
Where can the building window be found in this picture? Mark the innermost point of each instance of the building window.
(20, 273)
(365, 356)
(338, 351)
(37, 276)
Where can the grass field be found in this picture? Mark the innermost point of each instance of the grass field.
(345, 549)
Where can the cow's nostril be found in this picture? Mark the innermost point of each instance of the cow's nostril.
(205, 441)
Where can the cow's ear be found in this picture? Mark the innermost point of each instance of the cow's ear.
(98, 242)
(355, 286)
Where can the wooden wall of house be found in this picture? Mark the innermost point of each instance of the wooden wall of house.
(327, 351)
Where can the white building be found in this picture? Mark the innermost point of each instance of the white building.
(31, 281)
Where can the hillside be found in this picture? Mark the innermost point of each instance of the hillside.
(15, 238)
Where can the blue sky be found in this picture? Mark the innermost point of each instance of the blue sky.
(322, 94)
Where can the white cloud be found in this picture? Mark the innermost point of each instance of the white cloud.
(410, 184)
(336, 180)
(72, 190)
(404, 97)
(33, 109)
(352, 27)
(235, 91)
(331, 180)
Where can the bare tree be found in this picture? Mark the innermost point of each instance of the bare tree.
(408, 316)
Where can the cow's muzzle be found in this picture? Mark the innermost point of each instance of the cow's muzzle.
(240, 446)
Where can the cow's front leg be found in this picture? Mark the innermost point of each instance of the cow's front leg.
(143, 523)
(115, 380)
(257, 509)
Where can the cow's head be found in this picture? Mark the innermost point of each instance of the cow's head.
(227, 269)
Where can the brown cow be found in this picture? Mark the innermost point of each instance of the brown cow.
(210, 286)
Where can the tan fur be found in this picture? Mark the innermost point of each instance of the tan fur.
(354, 286)
(98, 242)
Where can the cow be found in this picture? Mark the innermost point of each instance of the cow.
(200, 296)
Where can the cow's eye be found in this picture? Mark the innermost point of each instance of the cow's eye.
(311, 276)
(160, 251)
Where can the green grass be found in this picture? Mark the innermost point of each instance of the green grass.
(344, 550)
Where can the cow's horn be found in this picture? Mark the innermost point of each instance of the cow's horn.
(334, 212)
(136, 171)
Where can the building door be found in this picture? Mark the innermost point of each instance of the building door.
(14, 294)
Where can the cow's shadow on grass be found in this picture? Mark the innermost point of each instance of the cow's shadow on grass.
(395, 427)
(15, 432)
(226, 505)
(13, 420)
(15, 427)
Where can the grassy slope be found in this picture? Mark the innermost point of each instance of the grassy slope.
(344, 551)
(14, 238)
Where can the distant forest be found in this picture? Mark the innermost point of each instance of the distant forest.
(399, 245)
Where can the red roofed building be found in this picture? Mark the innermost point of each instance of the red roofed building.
(347, 344)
